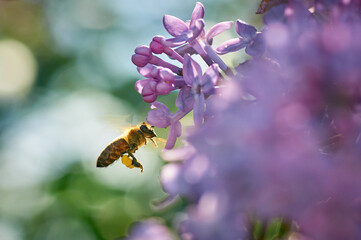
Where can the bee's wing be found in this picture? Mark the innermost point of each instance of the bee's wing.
(119, 122)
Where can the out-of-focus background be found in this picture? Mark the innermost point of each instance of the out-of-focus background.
(66, 91)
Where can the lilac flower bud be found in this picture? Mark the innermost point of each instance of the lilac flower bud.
(139, 85)
(156, 45)
(160, 81)
(142, 56)
(147, 70)
(166, 75)
(149, 92)
(163, 88)
(143, 50)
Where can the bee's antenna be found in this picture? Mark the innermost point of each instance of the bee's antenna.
(155, 143)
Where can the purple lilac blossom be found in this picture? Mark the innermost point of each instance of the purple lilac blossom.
(191, 96)
(202, 86)
(250, 39)
(160, 116)
(184, 31)
(282, 138)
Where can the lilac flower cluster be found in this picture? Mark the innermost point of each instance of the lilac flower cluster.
(279, 136)
(195, 87)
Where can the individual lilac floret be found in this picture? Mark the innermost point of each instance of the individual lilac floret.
(184, 31)
(160, 116)
(202, 86)
(206, 37)
(214, 31)
(250, 39)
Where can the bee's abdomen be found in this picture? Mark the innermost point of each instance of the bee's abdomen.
(112, 152)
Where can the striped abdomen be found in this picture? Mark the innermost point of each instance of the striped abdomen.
(112, 152)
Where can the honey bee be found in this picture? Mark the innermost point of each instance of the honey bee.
(126, 145)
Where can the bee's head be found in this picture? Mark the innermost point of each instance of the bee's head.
(147, 130)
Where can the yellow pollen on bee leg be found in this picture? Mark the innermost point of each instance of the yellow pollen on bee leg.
(127, 161)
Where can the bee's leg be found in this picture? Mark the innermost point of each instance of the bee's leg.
(131, 154)
(135, 162)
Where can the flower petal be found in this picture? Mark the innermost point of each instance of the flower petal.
(197, 29)
(140, 60)
(198, 12)
(174, 131)
(209, 79)
(198, 109)
(182, 50)
(166, 75)
(159, 117)
(139, 85)
(156, 45)
(149, 88)
(218, 29)
(150, 98)
(174, 25)
(164, 88)
(147, 70)
(231, 45)
(245, 30)
(185, 99)
(160, 106)
(175, 42)
(143, 50)
(258, 47)
(191, 70)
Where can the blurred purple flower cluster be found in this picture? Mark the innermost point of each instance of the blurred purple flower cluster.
(278, 136)
(150, 229)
